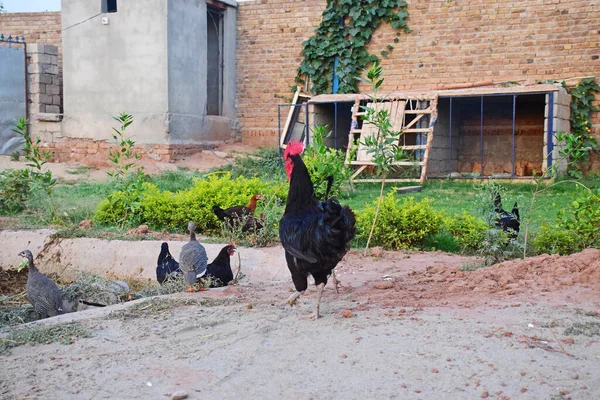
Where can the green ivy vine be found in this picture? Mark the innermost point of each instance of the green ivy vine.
(580, 138)
(344, 33)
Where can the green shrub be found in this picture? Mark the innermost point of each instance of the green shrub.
(322, 161)
(175, 210)
(443, 241)
(401, 224)
(15, 187)
(468, 230)
(578, 227)
(553, 239)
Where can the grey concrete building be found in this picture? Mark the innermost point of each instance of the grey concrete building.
(169, 63)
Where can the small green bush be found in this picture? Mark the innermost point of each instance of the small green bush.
(443, 241)
(578, 227)
(401, 224)
(468, 230)
(554, 239)
(174, 210)
(15, 187)
(322, 161)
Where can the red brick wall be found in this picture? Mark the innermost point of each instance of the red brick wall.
(451, 42)
(38, 27)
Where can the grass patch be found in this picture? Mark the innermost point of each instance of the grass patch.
(583, 328)
(63, 333)
(155, 307)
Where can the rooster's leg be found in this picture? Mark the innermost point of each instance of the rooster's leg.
(293, 298)
(315, 314)
(190, 289)
(336, 283)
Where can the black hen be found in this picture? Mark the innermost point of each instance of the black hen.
(315, 235)
(234, 213)
(509, 222)
(166, 264)
(220, 269)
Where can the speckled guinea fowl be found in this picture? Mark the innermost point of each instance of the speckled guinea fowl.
(42, 292)
(192, 259)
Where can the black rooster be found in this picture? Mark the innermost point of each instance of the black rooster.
(509, 222)
(166, 264)
(220, 268)
(315, 235)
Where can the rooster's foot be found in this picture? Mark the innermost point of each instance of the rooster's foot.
(293, 299)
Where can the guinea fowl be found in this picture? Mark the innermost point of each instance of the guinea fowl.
(166, 264)
(192, 259)
(315, 235)
(232, 214)
(509, 222)
(220, 269)
(42, 292)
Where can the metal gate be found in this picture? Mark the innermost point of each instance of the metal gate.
(13, 89)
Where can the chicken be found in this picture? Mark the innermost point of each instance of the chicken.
(192, 260)
(254, 224)
(42, 292)
(508, 222)
(166, 264)
(220, 269)
(237, 212)
(315, 235)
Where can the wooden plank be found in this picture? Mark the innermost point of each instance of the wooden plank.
(358, 171)
(428, 111)
(416, 130)
(397, 163)
(353, 128)
(288, 121)
(432, 121)
(414, 147)
(393, 180)
(413, 122)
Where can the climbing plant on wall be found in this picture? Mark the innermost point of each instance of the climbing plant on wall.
(580, 142)
(344, 33)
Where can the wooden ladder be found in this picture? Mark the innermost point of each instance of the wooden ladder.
(398, 108)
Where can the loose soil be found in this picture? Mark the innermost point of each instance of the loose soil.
(404, 325)
(12, 282)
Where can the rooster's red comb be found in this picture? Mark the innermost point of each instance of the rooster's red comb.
(231, 244)
(293, 148)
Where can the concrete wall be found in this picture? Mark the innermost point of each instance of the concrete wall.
(12, 95)
(121, 66)
(187, 54)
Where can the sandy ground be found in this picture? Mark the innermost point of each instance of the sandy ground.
(420, 329)
(202, 161)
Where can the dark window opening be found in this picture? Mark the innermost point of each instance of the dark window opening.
(109, 6)
(214, 64)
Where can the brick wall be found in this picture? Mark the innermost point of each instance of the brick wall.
(39, 27)
(451, 42)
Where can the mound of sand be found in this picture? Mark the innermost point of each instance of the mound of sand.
(441, 283)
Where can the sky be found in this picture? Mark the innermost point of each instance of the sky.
(30, 5)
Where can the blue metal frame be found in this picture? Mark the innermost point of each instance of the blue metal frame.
(550, 129)
(514, 112)
(481, 136)
(12, 39)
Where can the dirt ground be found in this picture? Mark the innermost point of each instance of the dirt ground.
(202, 161)
(418, 328)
